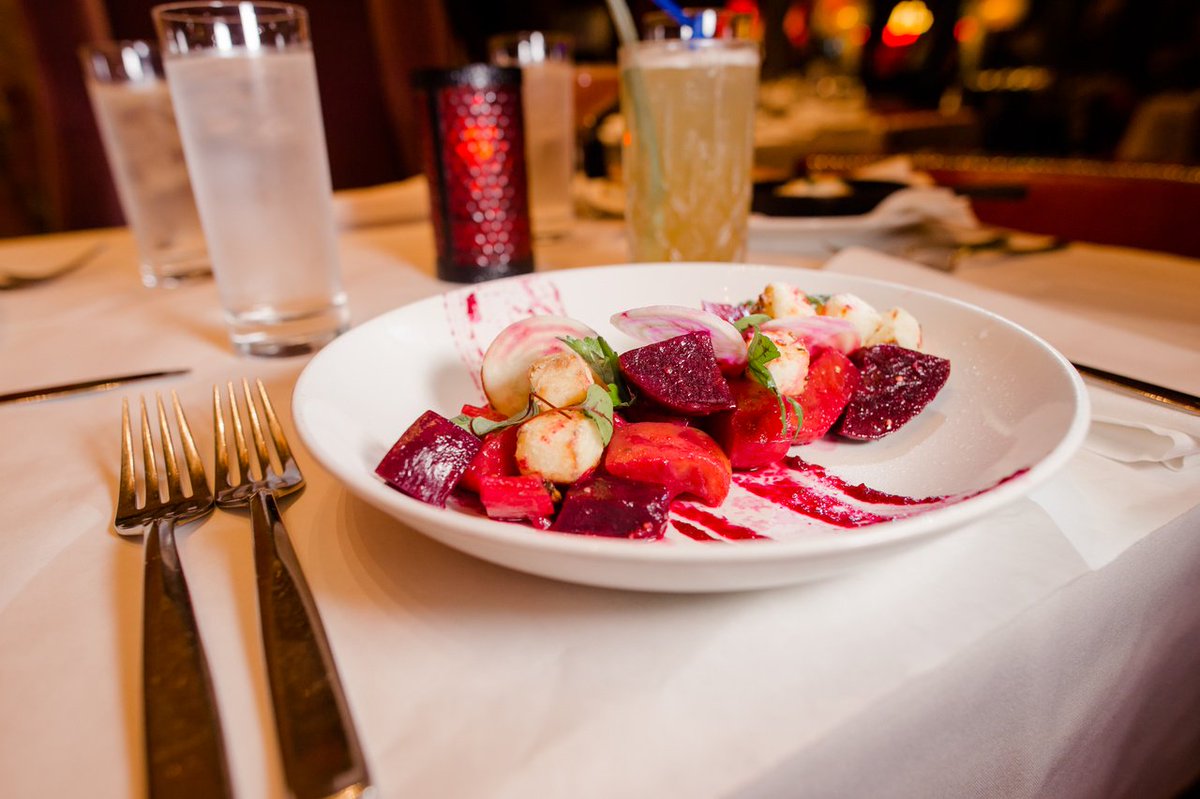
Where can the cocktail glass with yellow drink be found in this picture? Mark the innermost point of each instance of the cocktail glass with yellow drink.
(689, 147)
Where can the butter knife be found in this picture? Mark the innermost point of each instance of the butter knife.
(85, 386)
(1188, 403)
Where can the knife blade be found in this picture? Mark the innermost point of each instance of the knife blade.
(1180, 400)
(85, 386)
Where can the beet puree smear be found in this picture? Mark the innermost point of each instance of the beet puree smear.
(809, 490)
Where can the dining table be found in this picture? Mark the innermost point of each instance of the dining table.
(1047, 649)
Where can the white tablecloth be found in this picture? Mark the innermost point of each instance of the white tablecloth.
(1044, 651)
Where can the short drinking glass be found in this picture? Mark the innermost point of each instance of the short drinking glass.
(244, 85)
(689, 147)
(133, 111)
(548, 92)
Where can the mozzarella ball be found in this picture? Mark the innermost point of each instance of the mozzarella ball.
(779, 300)
(856, 311)
(561, 380)
(559, 446)
(790, 369)
(897, 326)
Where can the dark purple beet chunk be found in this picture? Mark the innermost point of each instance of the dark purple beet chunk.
(615, 507)
(429, 459)
(896, 384)
(681, 374)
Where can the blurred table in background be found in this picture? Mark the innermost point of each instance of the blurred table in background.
(1147, 206)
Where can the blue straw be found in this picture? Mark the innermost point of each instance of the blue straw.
(676, 13)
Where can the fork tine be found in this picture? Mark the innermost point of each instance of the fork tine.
(260, 443)
(153, 497)
(239, 437)
(195, 466)
(220, 445)
(277, 434)
(174, 488)
(126, 484)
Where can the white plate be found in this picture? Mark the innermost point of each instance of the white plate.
(1011, 414)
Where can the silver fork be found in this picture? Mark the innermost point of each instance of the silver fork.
(185, 752)
(318, 743)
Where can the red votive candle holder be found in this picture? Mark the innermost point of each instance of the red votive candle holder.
(475, 164)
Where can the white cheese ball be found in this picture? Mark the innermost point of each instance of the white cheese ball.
(559, 446)
(779, 300)
(897, 326)
(560, 379)
(856, 311)
(790, 369)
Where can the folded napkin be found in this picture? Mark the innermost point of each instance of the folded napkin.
(1123, 428)
(390, 203)
(1132, 430)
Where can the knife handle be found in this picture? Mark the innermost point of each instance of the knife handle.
(185, 753)
(319, 746)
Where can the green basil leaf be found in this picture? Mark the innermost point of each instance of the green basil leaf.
(598, 406)
(753, 319)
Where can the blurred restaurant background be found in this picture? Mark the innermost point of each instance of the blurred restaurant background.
(1090, 107)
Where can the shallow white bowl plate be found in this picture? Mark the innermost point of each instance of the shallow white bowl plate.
(1011, 414)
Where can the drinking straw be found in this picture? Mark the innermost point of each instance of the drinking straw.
(676, 13)
(627, 33)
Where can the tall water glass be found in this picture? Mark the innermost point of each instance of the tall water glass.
(689, 115)
(548, 92)
(133, 111)
(244, 85)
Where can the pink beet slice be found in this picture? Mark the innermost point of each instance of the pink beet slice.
(680, 374)
(831, 382)
(614, 507)
(895, 384)
(429, 459)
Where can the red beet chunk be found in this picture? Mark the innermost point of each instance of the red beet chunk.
(684, 459)
(520, 497)
(754, 434)
(429, 459)
(680, 374)
(496, 456)
(614, 507)
(896, 384)
(832, 379)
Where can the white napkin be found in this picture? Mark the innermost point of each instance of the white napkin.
(1124, 429)
(403, 201)
(1134, 430)
(928, 204)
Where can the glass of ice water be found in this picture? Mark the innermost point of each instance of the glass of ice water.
(548, 92)
(133, 111)
(244, 86)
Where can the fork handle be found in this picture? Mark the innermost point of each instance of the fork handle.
(185, 753)
(319, 746)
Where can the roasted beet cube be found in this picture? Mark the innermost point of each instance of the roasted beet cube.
(520, 497)
(496, 456)
(684, 459)
(895, 385)
(680, 374)
(615, 507)
(429, 459)
(754, 434)
(831, 381)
